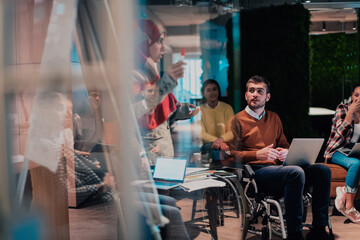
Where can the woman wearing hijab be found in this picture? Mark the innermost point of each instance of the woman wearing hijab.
(155, 93)
(152, 113)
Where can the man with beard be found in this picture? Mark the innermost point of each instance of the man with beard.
(259, 141)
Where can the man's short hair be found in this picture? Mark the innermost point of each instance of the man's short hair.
(259, 79)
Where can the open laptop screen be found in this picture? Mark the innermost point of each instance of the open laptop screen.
(172, 169)
(303, 151)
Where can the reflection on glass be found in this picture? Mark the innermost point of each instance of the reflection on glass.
(99, 91)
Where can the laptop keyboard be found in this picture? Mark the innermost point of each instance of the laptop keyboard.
(165, 183)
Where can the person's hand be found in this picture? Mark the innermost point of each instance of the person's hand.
(268, 153)
(156, 149)
(196, 110)
(354, 110)
(357, 117)
(97, 164)
(85, 154)
(219, 143)
(176, 70)
(144, 163)
(109, 182)
(282, 153)
(224, 147)
(216, 143)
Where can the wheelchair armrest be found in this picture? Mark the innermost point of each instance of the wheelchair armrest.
(249, 172)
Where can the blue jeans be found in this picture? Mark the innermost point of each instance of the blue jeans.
(353, 174)
(290, 181)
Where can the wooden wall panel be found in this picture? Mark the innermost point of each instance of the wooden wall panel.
(31, 22)
(49, 189)
(26, 76)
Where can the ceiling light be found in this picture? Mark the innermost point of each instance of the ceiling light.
(354, 25)
(324, 26)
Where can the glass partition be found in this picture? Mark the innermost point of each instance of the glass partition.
(103, 100)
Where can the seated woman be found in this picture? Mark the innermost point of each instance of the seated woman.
(345, 132)
(90, 170)
(214, 116)
(88, 126)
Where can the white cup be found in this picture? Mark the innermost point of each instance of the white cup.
(197, 159)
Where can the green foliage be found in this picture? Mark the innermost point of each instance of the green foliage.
(275, 44)
(334, 68)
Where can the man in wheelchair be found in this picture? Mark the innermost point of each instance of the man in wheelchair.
(260, 142)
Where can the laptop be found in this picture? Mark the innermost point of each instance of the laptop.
(303, 151)
(350, 152)
(169, 172)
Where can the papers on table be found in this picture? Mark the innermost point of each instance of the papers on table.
(195, 179)
(201, 184)
(200, 178)
(194, 174)
(192, 170)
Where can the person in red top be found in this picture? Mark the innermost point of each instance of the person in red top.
(155, 105)
(259, 140)
(152, 112)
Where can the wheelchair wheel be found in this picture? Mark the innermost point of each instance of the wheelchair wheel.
(240, 203)
(244, 214)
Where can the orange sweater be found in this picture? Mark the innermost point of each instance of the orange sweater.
(251, 135)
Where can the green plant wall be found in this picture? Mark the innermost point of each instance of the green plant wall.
(275, 44)
(334, 68)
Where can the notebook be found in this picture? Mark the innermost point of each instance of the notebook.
(169, 172)
(303, 151)
(351, 152)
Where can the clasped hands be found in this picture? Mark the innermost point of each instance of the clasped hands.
(271, 153)
(219, 143)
